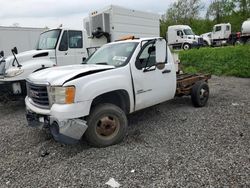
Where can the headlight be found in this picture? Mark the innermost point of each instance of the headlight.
(13, 72)
(62, 95)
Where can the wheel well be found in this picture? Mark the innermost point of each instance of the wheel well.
(119, 98)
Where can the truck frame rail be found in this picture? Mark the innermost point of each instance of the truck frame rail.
(185, 82)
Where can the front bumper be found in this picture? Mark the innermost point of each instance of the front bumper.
(13, 88)
(67, 131)
(62, 122)
(197, 45)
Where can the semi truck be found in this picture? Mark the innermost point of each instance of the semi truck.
(222, 35)
(92, 100)
(182, 37)
(64, 46)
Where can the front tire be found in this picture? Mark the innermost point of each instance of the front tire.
(186, 46)
(107, 125)
(247, 41)
(200, 94)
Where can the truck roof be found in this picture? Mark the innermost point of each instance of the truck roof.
(179, 27)
(137, 40)
(221, 24)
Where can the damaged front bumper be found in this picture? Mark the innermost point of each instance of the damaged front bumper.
(67, 131)
(13, 88)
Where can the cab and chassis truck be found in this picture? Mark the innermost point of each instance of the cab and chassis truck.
(92, 100)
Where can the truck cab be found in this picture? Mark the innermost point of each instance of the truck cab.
(220, 34)
(182, 37)
(55, 47)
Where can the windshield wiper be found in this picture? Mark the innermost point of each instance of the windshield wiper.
(102, 63)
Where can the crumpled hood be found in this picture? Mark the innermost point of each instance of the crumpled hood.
(59, 75)
(26, 56)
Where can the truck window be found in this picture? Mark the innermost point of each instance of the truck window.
(179, 33)
(64, 42)
(117, 54)
(75, 39)
(147, 57)
(48, 39)
(217, 28)
(188, 32)
(228, 28)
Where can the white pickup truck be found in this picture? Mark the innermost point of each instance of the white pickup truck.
(93, 99)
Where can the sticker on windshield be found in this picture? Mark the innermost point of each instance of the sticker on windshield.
(119, 58)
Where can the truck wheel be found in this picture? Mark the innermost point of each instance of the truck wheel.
(186, 46)
(205, 44)
(200, 94)
(247, 41)
(107, 125)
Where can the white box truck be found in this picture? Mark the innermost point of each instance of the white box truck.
(62, 46)
(24, 38)
(112, 22)
(182, 37)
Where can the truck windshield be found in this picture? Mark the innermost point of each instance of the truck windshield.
(116, 54)
(48, 40)
(188, 32)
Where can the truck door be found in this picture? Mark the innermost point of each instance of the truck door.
(217, 33)
(151, 85)
(180, 37)
(76, 44)
(64, 54)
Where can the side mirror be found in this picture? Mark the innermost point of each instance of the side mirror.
(14, 50)
(84, 59)
(161, 51)
(2, 53)
(63, 47)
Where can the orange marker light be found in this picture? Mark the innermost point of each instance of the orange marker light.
(70, 95)
(129, 37)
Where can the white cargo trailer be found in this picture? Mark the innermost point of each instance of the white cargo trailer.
(24, 38)
(112, 22)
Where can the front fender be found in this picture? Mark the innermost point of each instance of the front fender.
(92, 86)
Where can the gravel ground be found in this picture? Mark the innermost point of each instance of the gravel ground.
(170, 145)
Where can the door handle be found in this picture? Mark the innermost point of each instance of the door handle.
(166, 71)
(66, 53)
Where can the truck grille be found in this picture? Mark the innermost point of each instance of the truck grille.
(200, 41)
(38, 94)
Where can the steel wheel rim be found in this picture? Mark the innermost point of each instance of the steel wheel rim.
(203, 94)
(107, 126)
(186, 47)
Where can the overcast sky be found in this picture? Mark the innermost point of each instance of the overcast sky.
(70, 13)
